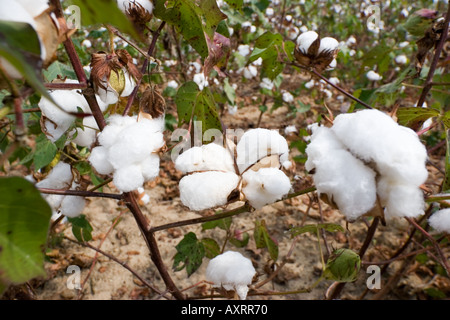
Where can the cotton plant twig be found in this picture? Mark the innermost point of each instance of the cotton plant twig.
(81, 193)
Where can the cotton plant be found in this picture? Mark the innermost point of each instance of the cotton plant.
(367, 160)
(212, 173)
(62, 178)
(231, 271)
(313, 51)
(128, 149)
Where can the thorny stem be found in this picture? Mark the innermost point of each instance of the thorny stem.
(144, 67)
(434, 62)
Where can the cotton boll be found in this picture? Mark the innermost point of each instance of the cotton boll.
(400, 200)
(208, 189)
(150, 167)
(338, 174)
(232, 271)
(86, 136)
(72, 206)
(210, 156)
(59, 178)
(305, 40)
(328, 44)
(99, 160)
(374, 137)
(256, 144)
(128, 178)
(200, 80)
(373, 76)
(440, 221)
(264, 186)
(401, 59)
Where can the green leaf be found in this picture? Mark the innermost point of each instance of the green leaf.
(435, 293)
(212, 15)
(240, 243)
(263, 239)
(223, 224)
(379, 56)
(45, 152)
(268, 47)
(190, 253)
(229, 92)
(343, 266)
(59, 69)
(185, 16)
(81, 228)
(185, 101)
(24, 221)
(235, 4)
(446, 182)
(212, 249)
(27, 63)
(408, 116)
(95, 12)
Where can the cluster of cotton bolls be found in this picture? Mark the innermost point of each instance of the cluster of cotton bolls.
(58, 119)
(128, 148)
(212, 173)
(367, 157)
(232, 271)
(61, 178)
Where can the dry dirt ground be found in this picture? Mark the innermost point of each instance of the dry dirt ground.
(116, 233)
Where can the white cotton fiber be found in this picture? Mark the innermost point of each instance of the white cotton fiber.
(128, 178)
(328, 44)
(305, 40)
(338, 174)
(256, 144)
(400, 199)
(59, 178)
(204, 190)
(373, 136)
(440, 221)
(232, 271)
(264, 186)
(99, 160)
(150, 167)
(72, 206)
(207, 157)
(86, 136)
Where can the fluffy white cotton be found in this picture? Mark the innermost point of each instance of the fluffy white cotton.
(99, 160)
(256, 144)
(128, 147)
(59, 178)
(266, 83)
(232, 271)
(287, 97)
(250, 72)
(86, 136)
(401, 59)
(440, 221)
(343, 178)
(72, 206)
(373, 76)
(373, 136)
(264, 186)
(200, 80)
(204, 190)
(243, 49)
(366, 154)
(207, 157)
(305, 40)
(128, 178)
(328, 44)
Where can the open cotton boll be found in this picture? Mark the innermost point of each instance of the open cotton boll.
(86, 136)
(256, 144)
(264, 186)
(59, 178)
(232, 271)
(128, 178)
(150, 167)
(207, 157)
(346, 180)
(146, 4)
(440, 221)
(99, 160)
(204, 190)
(305, 40)
(328, 44)
(400, 200)
(373, 76)
(72, 206)
(373, 136)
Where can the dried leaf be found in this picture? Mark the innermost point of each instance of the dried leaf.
(152, 102)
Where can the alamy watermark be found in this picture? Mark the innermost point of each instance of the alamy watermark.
(74, 279)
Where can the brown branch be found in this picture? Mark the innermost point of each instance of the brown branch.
(144, 68)
(434, 62)
(81, 193)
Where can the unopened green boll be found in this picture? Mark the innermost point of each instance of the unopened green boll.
(343, 266)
